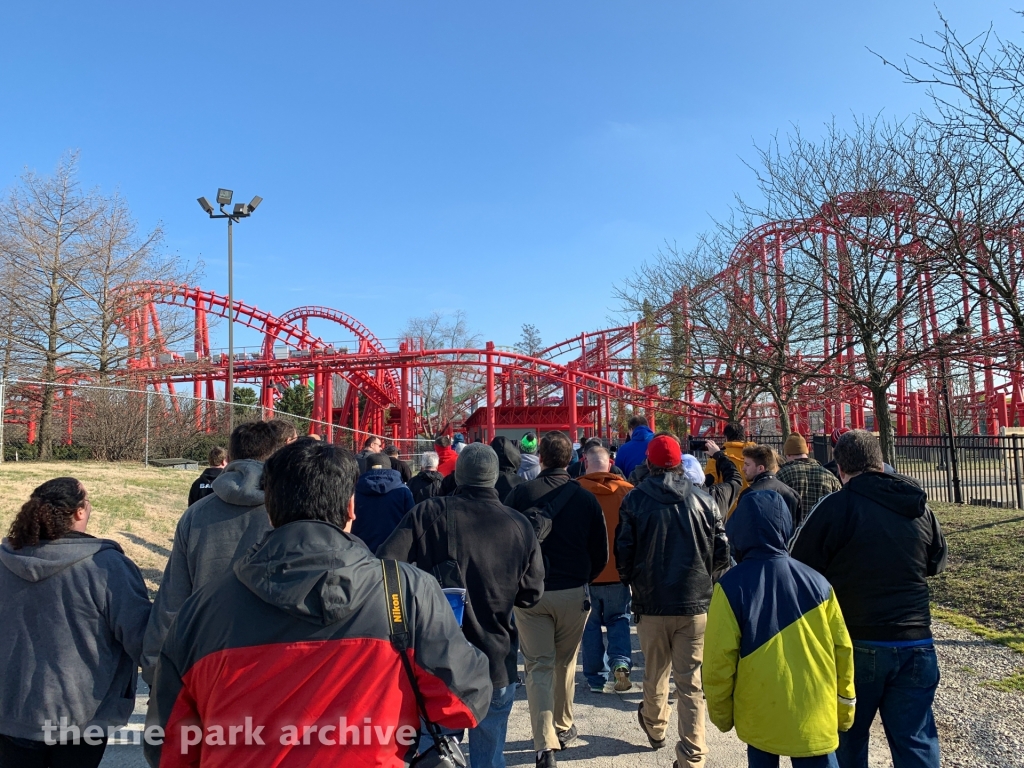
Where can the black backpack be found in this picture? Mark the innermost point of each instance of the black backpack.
(541, 517)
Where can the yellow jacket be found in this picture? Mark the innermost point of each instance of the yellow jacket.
(778, 661)
(734, 450)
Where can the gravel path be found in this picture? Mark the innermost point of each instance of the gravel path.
(979, 727)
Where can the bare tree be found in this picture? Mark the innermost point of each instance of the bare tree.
(860, 228)
(976, 86)
(46, 222)
(67, 259)
(443, 392)
(119, 258)
(969, 167)
(699, 344)
(754, 315)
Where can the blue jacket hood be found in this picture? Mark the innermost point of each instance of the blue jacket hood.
(760, 527)
(378, 482)
(641, 434)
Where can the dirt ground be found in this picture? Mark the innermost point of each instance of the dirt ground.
(136, 506)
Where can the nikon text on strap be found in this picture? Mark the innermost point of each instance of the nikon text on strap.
(447, 752)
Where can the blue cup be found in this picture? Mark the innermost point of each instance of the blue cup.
(457, 600)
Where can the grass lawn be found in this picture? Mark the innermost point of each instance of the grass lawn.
(137, 507)
(984, 580)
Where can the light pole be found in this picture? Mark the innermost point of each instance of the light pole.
(962, 329)
(240, 211)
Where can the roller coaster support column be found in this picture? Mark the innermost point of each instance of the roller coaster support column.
(329, 405)
(317, 413)
(404, 394)
(491, 426)
(649, 406)
(570, 397)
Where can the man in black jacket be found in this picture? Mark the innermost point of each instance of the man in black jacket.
(427, 482)
(759, 467)
(501, 566)
(403, 468)
(877, 541)
(724, 493)
(575, 552)
(669, 545)
(371, 447)
(203, 486)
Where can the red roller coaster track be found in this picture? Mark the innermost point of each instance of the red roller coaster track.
(595, 371)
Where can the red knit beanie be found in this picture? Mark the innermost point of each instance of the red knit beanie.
(664, 451)
(836, 434)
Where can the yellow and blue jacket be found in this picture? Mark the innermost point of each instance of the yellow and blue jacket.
(778, 661)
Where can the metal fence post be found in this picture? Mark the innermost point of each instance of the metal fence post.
(1017, 471)
(147, 429)
(2, 420)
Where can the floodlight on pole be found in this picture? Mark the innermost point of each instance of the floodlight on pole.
(240, 212)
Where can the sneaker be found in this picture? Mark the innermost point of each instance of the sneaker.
(655, 743)
(622, 681)
(565, 738)
(597, 689)
(546, 759)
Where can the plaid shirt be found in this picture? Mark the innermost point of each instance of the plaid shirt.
(809, 479)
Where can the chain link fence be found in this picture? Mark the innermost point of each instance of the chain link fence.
(105, 423)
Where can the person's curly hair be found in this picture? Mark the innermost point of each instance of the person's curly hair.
(49, 512)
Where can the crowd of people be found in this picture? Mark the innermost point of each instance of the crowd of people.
(324, 607)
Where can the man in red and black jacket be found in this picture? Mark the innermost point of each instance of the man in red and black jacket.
(288, 661)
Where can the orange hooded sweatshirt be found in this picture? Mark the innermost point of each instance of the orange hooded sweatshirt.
(609, 489)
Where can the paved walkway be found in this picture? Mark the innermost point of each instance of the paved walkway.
(609, 734)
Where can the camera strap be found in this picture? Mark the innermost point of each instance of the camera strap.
(400, 638)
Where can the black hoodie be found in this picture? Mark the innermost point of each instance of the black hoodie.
(876, 541)
(203, 486)
(509, 459)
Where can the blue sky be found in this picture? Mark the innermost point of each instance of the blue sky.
(515, 160)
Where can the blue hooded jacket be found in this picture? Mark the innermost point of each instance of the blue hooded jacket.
(634, 451)
(381, 502)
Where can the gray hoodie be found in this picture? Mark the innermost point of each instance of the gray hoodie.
(529, 466)
(212, 534)
(74, 612)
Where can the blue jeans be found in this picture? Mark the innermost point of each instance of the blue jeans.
(487, 740)
(609, 607)
(758, 759)
(900, 683)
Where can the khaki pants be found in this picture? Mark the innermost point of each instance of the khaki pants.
(549, 635)
(675, 644)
